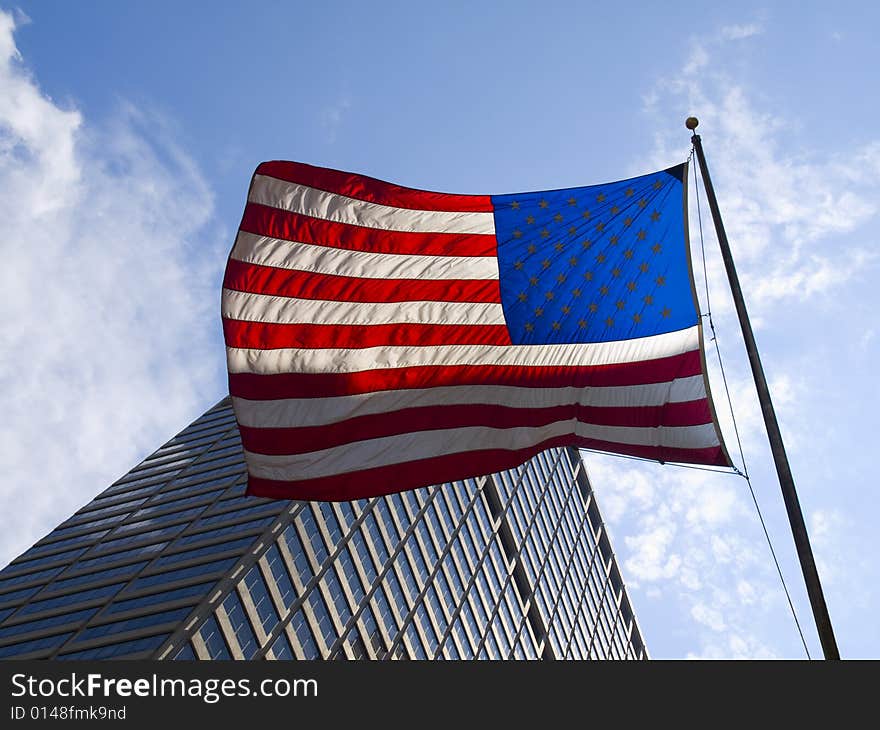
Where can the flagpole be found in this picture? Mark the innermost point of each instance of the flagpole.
(786, 481)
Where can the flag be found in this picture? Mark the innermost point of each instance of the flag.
(382, 338)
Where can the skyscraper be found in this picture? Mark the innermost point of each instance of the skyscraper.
(174, 562)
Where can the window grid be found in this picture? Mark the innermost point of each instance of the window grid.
(531, 559)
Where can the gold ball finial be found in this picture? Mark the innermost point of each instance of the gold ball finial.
(691, 123)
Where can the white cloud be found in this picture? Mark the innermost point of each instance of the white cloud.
(746, 592)
(826, 524)
(733, 646)
(721, 549)
(689, 577)
(696, 61)
(110, 325)
(621, 496)
(715, 505)
(813, 275)
(332, 117)
(649, 557)
(827, 530)
(780, 209)
(738, 32)
(708, 616)
(846, 560)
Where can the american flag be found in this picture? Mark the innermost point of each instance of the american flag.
(381, 338)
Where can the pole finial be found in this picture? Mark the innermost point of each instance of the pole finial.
(691, 123)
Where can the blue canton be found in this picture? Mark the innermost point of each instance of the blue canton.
(595, 264)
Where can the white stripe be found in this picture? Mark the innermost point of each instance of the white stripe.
(298, 256)
(288, 310)
(292, 360)
(342, 209)
(391, 450)
(300, 412)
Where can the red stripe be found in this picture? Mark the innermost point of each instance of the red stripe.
(372, 190)
(272, 336)
(322, 385)
(262, 220)
(258, 279)
(409, 420)
(450, 467)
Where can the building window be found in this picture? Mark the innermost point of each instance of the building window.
(213, 638)
(322, 616)
(295, 548)
(238, 619)
(135, 646)
(313, 534)
(282, 578)
(150, 619)
(281, 648)
(198, 590)
(256, 586)
(337, 596)
(304, 636)
(186, 653)
(25, 647)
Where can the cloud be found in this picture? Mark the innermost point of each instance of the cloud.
(814, 275)
(780, 208)
(827, 529)
(110, 326)
(846, 560)
(332, 116)
(716, 504)
(733, 646)
(649, 558)
(708, 616)
(738, 32)
(619, 498)
(746, 592)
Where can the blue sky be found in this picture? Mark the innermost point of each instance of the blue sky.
(128, 134)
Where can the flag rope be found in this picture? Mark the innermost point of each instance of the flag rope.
(714, 338)
(745, 472)
(715, 470)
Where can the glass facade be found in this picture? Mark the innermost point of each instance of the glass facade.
(173, 562)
